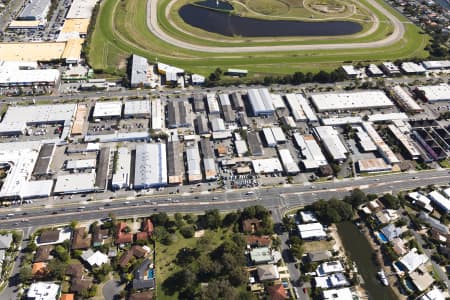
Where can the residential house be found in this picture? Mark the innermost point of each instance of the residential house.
(99, 235)
(78, 285)
(336, 280)
(49, 236)
(433, 223)
(387, 216)
(39, 270)
(337, 294)
(43, 291)
(147, 231)
(123, 237)
(398, 246)
(255, 241)
(251, 225)
(43, 253)
(277, 292)
(410, 262)
(143, 278)
(267, 272)
(312, 231)
(421, 279)
(67, 297)
(390, 232)
(81, 240)
(135, 251)
(329, 267)
(260, 256)
(74, 270)
(434, 294)
(96, 258)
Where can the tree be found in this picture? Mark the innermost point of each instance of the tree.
(356, 198)
(211, 219)
(25, 274)
(73, 224)
(179, 220)
(230, 219)
(62, 253)
(160, 219)
(56, 269)
(390, 201)
(187, 231)
(186, 256)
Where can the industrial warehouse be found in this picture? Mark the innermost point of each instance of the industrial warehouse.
(244, 138)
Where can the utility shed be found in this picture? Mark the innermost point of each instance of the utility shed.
(289, 165)
(254, 143)
(199, 103)
(175, 167)
(150, 166)
(193, 164)
(121, 176)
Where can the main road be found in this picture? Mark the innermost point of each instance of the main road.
(395, 36)
(280, 198)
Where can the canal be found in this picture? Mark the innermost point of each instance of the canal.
(360, 251)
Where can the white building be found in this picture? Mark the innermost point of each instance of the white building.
(267, 165)
(374, 71)
(350, 100)
(332, 142)
(411, 68)
(109, 109)
(22, 74)
(121, 177)
(405, 141)
(157, 113)
(350, 71)
(411, 261)
(209, 165)
(382, 147)
(35, 10)
(139, 108)
(217, 125)
(43, 291)
(311, 231)
(312, 155)
(193, 163)
(260, 101)
(421, 201)
(75, 183)
(94, 259)
(81, 164)
(290, 166)
(333, 281)
(278, 135)
(390, 68)
(150, 166)
(277, 101)
(213, 104)
(81, 9)
(436, 64)
(405, 100)
(365, 142)
(268, 137)
(373, 165)
(435, 93)
(329, 267)
(337, 294)
(440, 201)
(296, 109)
(241, 147)
(434, 294)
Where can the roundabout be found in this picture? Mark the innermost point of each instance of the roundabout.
(156, 29)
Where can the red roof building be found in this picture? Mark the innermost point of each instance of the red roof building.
(121, 236)
(277, 292)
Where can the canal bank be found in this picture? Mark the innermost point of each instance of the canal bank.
(359, 251)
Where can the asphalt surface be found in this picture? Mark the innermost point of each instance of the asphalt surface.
(397, 34)
(282, 197)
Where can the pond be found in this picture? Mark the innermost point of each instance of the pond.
(220, 5)
(232, 25)
(360, 251)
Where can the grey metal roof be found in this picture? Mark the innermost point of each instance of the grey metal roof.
(102, 169)
(35, 9)
(44, 159)
(207, 148)
(202, 125)
(174, 159)
(199, 103)
(139, 69)
(254, 144)
(236, 101)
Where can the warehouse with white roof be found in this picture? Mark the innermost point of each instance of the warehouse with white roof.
(312, 156)
(434, 93)
(260, 101)
(289, 165)
(332, 142)
(193, 162)
(35, 10)
(268, 137)
(75, 183)
(157, 113)
(382, 147)
(137, 109)
(121, 176)
(267, 165)
(107, 110)
(22, 74)
(296, 109)
(150, 166)
(213, 104)
(350, 100)
(440, 201)
(81, 9)
(81, 164)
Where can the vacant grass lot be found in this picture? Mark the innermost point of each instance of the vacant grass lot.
(122, 30)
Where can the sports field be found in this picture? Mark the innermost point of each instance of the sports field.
(122, 28)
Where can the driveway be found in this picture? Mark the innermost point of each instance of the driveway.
(111, 289)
